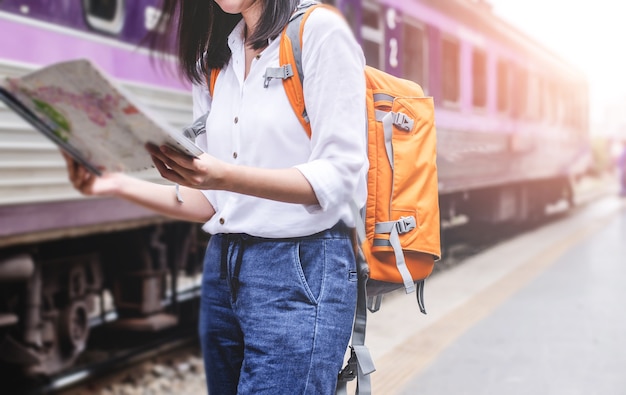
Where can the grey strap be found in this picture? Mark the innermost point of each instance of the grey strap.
(197, 128)
(383, 97)
(379, 114)
(293, 32)
(365, 367)
(395, 229)
(358, 221)
(388, 132)
(389, 119)
(403, 121)
(282, 73)
(374, 302)
(403, 225)
(420, 296)
(361, 364)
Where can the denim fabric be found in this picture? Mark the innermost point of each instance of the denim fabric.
(276, 314)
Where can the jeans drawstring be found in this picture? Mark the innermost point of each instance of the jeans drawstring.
(232, 243)
(224, 259)
(234, 281)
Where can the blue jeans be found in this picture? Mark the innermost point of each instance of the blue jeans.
(276, 314)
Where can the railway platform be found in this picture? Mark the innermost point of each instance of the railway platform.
(540, 314)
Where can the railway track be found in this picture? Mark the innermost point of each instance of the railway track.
(109, 355)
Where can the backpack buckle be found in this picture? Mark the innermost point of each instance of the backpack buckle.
(405, 224)
(283, 73)
(402, 121)
(349, 372)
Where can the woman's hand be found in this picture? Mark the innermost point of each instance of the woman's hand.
(204, 172)
(156, 197)
(209, 173)
(88, 183)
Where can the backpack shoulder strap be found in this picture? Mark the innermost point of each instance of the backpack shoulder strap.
(210, 80)
(290, 53)
(290, 58)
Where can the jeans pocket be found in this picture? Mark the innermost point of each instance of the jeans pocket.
(310, 266)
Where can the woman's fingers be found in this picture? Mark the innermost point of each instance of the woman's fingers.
(167, 172)
(171, 164)
(71, 166)
(171, 158)
(79, 177)
(87, 182)
(177, 157)
(199, 173)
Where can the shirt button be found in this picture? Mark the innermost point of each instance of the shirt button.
(258, 56)
(222, 220)
(234, 155)
(236, 119)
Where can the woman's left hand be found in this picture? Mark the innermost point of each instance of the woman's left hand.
(204, 172)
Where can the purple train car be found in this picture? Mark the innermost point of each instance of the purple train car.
(67, 262)
(512, 118)
(511, 122)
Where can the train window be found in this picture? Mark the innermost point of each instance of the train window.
(350, 14)
(570, 105)
(503, 86)
(371, 17)
(414, 54)
(373, 36)
(479, 78)
(582, 111)
(573, 109)
(450, 52)
(560, 102)
(520, 93)
(105, 15)
(550, 90)
(543, 107)
(371, 50)
(535, 101)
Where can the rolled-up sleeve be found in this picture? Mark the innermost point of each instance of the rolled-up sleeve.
(334, 93)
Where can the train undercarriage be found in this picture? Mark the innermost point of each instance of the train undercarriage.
(53, 293)
(521, 202)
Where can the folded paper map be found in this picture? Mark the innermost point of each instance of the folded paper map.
(90, 117)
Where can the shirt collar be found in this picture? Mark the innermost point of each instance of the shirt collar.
(236, 37)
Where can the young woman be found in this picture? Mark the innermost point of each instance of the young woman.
(279, 281)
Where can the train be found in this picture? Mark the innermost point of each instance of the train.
(512, 131)
(512, 117)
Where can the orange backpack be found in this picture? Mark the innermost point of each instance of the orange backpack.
(398, 232)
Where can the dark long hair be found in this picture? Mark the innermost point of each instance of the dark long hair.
(202, 29)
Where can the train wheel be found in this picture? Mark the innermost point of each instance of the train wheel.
(74, 327)
(77, 282)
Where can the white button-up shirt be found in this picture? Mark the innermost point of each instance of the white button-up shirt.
(255, 126)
